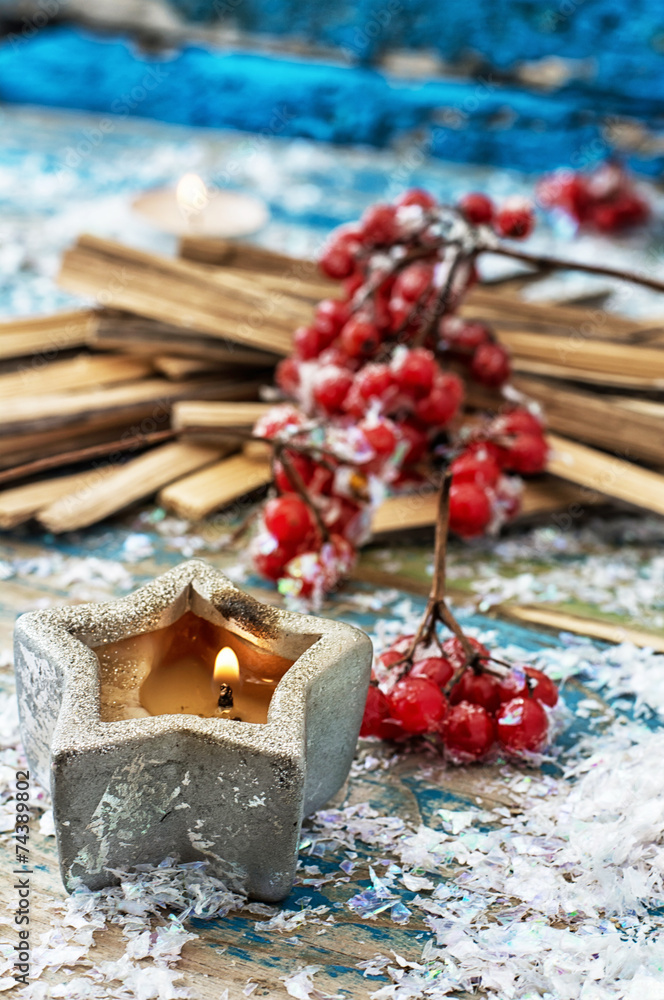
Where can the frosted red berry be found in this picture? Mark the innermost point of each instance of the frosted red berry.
(418, 704)
(359, 337)
(514, 219)
(566, 190)
(415, 371)
(542, 687)
(456, 654)
(337, 260)
(477, 207)
(479, 688)
(473, 467)
(288, 518)
(341, 516)
(491, 365)
(527, 454)
(604, 199)
(352, 284)
(307, 343)
(416, 196)
(330, 388)
(372, 382)
(390, 657)
(413, 281)
(522, 725)
(518, 421)
(400, 312)
(469, 731)
(304, 466)
(329, 317)
(382, 437)
(442, 404)
(463, 337)
(270, 557)
(529, 680)
(278, 420)
(287, 376)
(436, 669)
(415, 441)
(378, 225)
(470, 509)
(376, 710)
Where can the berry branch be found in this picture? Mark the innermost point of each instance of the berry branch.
(463, 697)
(442, 300)
(374, 401)
(437, 610)
(376, 386)
(281, 452)
(555, 263)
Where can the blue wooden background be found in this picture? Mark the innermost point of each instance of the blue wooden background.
(623, 39)
(524, 84)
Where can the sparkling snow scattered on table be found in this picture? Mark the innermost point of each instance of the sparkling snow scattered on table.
(557, 897)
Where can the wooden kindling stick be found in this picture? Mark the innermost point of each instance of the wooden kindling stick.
(229, 304)
(104, 494)
(202, 493)
(615, 423)
(594, 628)
(47, 335)
(208, 417)
(606, 474)
(606, 357)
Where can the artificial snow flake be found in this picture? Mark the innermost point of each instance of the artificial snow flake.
(301, 985)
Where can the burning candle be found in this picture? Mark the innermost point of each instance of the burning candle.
(181, 670)
(194, 209)
(119, 708)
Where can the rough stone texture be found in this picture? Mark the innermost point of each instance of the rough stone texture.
(139, 790)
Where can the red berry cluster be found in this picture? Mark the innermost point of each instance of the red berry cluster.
(443, 695)
(378, 382)
(481, 494)
(471, 345)
(514, 219)
(309, 532)
(604, 199)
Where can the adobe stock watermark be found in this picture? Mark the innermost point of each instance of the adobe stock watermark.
(93, 136)
(280, 117)
(45, 12)
(374, 28)
(22, 871)
(419, 150)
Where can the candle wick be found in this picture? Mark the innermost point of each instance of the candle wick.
(225, 696)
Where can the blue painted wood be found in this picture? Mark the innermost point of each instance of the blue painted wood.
(621, 39)
(454, 120)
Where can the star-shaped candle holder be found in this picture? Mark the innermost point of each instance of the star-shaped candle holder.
(150, 754)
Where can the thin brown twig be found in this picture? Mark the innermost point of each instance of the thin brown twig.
(241, 529)
(300, 488)
(438, 582)
(324, 457)
(541, 260)
(413, 255)
(443, 299)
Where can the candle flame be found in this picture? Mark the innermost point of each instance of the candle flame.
(226, 666)
(191, 194)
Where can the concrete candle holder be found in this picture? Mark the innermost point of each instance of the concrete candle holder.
(137, 790)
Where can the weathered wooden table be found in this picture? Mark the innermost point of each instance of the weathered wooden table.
(467, 881)
(328, 920)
